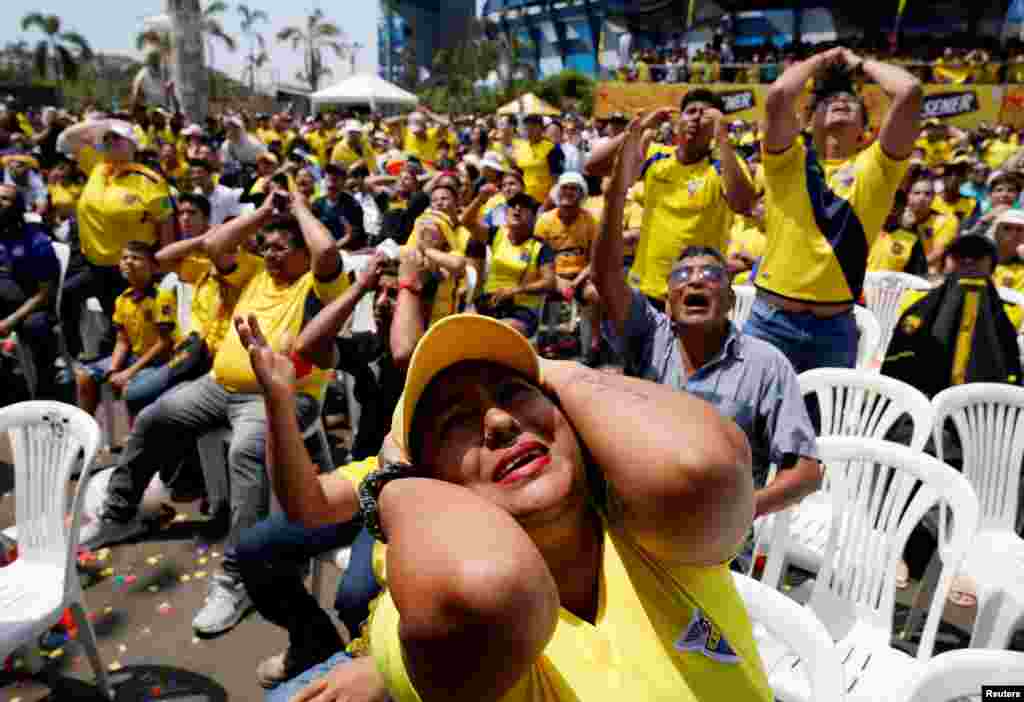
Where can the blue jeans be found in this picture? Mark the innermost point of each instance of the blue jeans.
(285, 691)
(807, 341)
(271, 556)
(145, 386)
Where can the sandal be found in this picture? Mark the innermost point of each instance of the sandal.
(963, 592)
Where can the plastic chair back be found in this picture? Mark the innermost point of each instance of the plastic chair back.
(882, 295)
(63, 252)
(183, 293)
(1012, 296)
(880, 491)
(48, 438)
(961, 673)
(870, 336)
(740, 312)
(989, 419)
(853, 402)
(801, 632)
(472, 278)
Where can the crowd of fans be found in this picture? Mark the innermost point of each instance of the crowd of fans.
(508, 509)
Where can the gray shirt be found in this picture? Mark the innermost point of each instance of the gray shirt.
(749, 380)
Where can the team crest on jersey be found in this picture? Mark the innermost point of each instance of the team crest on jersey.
(844, 176)
(524, 256)
(694, 185)
(703, 636)
(1008, 281)
(897, 248)
(911, 324)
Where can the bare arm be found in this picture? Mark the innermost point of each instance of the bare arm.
(224, 239)
(316, 340)
(608, 250)
(451, 262)
(168, 257)
(121, 350)
(545, 283)
(739, 191)
(901, 126)
(602, 158)
(324, 259)
(409, 322)
(791, 485)
(679, 471)
(476, 599)
(33, 303)
(159, 349)
(781, 124)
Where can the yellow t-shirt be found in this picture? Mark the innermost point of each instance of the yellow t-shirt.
(821, 220)
(514, 265)
(996, 151)
(937, 232)
(145, 318)
(64, 198)
(1009, 275)
(345, 155)
(215, 294)
(937, 152)
(662, 633)
(318, 142)
(118, 205)
(446, 298)
(891, 251)
(281, 311)
(570, 243)
(956, 71)
(426, 148)
(684, 205)
(532, 160)
(962, 208)
(356, 473)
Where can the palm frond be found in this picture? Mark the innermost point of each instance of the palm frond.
(47, 24)
(85, 52)
(217, 7)
(292, 34)
(215, 29)
(68, 65)
(41, 58)
(339, 49)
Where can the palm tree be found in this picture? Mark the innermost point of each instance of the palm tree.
(318, 35)
(67, 51)
(256, 59)
(214, 30)
(19, 58)
(157, 44)
(191, 78)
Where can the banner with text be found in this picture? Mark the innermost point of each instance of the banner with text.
(964, 106)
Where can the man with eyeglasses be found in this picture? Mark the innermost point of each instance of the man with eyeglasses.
(694, 347)
(826, 201)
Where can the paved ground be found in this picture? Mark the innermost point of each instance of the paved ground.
(143, 596)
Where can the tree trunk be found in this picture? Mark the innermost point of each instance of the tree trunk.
(191, 80)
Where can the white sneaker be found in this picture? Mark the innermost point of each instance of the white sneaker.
(226, 604)
(103, 530)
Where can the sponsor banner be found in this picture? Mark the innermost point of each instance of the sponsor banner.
(962, 106)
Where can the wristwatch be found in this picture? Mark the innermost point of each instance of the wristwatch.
(369, 493)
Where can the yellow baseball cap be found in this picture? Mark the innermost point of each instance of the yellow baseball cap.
(454, 339)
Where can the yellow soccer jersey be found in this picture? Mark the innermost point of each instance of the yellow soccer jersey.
(532, 160)
(344, 155)
(662, 633)
(426, 148)
(215, 294)
(996, 151)
(144, 315)
(937, 232)
(684, 205)
(1009, 275)
(821, 220)
(962, 208)
(571, 243)
(892, 251)
(936, 153)
(281, 311)
(119, 204)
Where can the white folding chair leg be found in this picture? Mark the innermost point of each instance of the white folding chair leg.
(88, 638)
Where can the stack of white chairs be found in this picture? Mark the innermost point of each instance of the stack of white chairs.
(962, 673)
(989, 421)
(882, 294)
(879, 491)
(869, 337)
(744, 302)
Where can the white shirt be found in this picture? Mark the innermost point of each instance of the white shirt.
(224, 203)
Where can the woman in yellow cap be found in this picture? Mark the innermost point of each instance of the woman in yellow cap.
(122, 201)
(554, 534)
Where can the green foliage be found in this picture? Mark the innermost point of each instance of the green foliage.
(569, 90)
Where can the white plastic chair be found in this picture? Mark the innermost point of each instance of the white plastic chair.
(858, 403)
(961, 673)
(870, 337)
(880, 491)
(472, 277)
(882, 294)
(1012, 296)
(808, 642)
(989, 420)
(740, 311)
(48, 438)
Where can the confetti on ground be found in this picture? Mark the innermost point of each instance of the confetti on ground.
(199, 574)
(103, 554)
(215, 554)
(121, 648)
(114, 667)
(130, 579)
(180, 518)
(165, 608)
(153, 588)
(155, 692)
(106, 572)
(203, 561)
(108, 610)
(185, 578)
(152, 560)
(147, 631)
(56, 653)
(195, 640)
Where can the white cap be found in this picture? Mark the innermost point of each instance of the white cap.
(494, 162)
(192, 130)
(573, 178)
(352, 126)
(121, 128)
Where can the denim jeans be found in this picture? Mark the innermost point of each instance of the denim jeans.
(271, 557)
(165, 432)
(286, 691)
(145, 386)
(807, 341)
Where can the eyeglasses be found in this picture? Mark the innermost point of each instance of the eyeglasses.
(714, 274)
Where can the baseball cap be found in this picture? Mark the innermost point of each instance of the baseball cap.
(972, 245)
(493, 161)
(458, 338)
(121, 128)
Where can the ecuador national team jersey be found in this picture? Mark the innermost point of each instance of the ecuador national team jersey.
(570, 242)
(344, 155)
(144, 316)
(215, 294)
(900, 251)
(1010, 275)
(937, 232)
(426, 148)
(662, 633)
(964, 206)
(120, 203)
(821, 220)
(684, 205)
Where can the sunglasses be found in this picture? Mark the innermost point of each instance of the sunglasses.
(714, 274)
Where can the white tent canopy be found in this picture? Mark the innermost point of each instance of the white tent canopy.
(366, 89)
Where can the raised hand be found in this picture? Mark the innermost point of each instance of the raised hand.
(273, 369)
